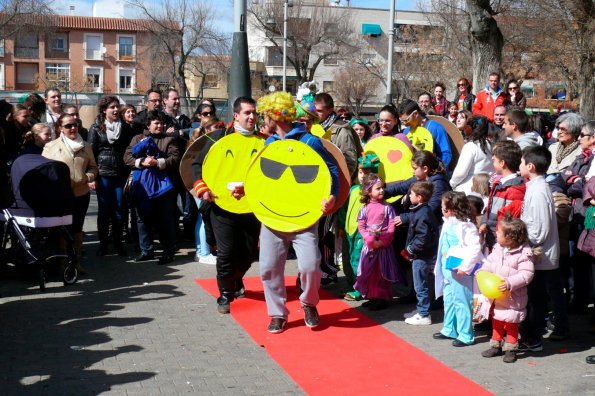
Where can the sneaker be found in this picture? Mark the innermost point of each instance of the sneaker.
(418, 320)
(276, 326)
(165, 259)
(557, 336)
(210, 259)
(528, 346)
(311, 317)
(410, 314)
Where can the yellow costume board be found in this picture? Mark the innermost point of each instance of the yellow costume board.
(421, 139)
(395, 159)
(227, 162)
(285, 185)
(318, 130)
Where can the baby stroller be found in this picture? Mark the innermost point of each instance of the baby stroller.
(37, 219)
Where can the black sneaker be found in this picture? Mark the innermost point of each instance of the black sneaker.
(530, 346)
(311, 317)
(276, 326)
(144, 256)
(165, 259)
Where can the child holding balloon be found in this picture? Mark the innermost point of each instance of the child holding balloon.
(512, 260)
(459, 252)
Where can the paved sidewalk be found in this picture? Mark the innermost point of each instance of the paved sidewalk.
(142, 329)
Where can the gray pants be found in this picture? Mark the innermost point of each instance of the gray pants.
(273, 255)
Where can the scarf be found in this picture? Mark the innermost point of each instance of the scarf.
(242, 131)
(587, 155)
(330, 120)
(563, 151)
(112, 130)
(75, 145)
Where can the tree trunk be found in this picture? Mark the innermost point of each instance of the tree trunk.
(486, 41)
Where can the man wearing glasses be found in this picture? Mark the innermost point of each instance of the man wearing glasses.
(153, 102)
(487, 100)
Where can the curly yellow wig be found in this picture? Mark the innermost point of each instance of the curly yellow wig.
(278, 105)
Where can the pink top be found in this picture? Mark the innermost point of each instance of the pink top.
(375, 217)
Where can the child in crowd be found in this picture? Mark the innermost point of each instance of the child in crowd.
(539, 215)
(453, 110)
(508, 189)
(422, 238)
(377, 266)
(512, 260)
(347, 223)
(459, 252)
(480, 185)
(36, 138)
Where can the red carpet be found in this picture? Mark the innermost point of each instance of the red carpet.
(347, 353)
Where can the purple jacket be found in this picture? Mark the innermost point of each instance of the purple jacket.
(516, 267)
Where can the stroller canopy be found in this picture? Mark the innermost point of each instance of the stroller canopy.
(42, 186)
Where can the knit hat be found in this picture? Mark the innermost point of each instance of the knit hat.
(369, 161)
(278, 106)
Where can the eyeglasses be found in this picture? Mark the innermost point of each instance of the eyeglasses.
(206, 113)
(585, 134)
(461, 85)
(70, 126)
(154, 100)
(513, 88)
(563, 131)
(408, 117)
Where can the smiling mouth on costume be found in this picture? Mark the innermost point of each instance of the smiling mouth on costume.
(282, 215)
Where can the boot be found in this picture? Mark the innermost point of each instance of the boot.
(510, 352)
(78, 249)
(118, 228)
(226, 294)
(495, 349)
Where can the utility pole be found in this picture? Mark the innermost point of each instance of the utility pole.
(391, 44)
(239, 75)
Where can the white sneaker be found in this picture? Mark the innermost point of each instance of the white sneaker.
(210, 259)
(410, 314)
(418, 320)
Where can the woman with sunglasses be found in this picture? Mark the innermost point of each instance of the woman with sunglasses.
(71, 149)
(204, 111)
(514, 96)
(464, 98)
(109, 140)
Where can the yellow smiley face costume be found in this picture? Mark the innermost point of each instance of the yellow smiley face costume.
(395, 159)
(227, 162)
(285, 185)
(421, 139)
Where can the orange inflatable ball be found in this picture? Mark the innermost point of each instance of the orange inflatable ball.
(488, 284)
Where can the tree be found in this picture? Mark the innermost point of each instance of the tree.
(24, 15)
(182, 28)
(314, 33)
(352, 90)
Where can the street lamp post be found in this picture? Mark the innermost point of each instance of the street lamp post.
(391, 43)
(287, 3)
(239, 76)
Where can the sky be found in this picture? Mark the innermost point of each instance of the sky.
(116, 8)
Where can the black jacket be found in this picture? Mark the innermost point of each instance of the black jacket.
(109, 156)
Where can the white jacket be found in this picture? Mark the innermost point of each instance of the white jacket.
(471, 162)
(539, 214)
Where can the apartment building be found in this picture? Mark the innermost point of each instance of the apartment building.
(79, 54)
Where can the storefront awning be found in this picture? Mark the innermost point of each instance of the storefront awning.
(370, 29)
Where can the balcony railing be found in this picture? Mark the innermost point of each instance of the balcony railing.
(26, 52)
(126, 56)
(93, 54)
(54, 54)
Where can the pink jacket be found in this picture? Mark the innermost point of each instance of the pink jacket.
(516, 267)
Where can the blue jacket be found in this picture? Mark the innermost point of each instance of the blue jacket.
(441, 186)
(442, 146)
(299, 133)
(422, 234)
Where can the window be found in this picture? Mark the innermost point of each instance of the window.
(94, 79)
(58, 74)
(126, 80)
(274, 56)
(59, 42)
(211, 81)
(93, 46)
(331, 60)
(2, 47)
(26, 46)
(26, 73)
(1, 76)
(328, 86)
(126, 48)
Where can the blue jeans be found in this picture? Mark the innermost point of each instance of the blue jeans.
(421, 270)
(160, 214)
(202, 247)
(109, 198)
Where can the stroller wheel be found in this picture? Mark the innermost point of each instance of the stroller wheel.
(41, 279)
(70, 275)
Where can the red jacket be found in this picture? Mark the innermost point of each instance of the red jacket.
(504, 197)
(484, 103)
